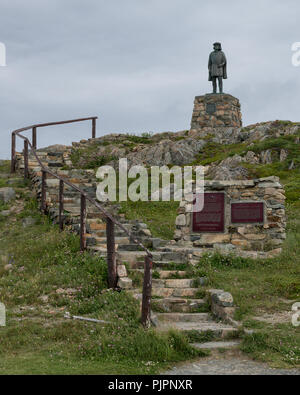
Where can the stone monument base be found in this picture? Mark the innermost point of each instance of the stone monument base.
(216, 110)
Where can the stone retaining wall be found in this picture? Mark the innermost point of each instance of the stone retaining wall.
(259, 237)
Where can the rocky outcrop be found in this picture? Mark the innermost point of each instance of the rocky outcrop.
(229, 169)
(167, 152)
(183, 147)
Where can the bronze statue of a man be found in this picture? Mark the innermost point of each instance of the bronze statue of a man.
(217, 66)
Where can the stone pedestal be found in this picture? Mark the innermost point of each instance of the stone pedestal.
(216, 110)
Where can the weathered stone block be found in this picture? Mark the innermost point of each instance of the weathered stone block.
(7, 194)
(125, 283)
(181, 220)
(214, 238)
(121, 271)
(224, 299)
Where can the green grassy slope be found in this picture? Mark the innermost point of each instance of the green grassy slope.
(49, 276)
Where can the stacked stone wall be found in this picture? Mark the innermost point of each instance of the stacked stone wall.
(266, 236)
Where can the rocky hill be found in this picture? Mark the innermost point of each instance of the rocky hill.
(265, 149)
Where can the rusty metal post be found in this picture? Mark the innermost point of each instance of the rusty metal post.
(147, 290)
(111, 254)
(34, 137)
(43, 196)
(13, 153)
(82, 223)
(93, 128)
(61, 204)
(26, 173)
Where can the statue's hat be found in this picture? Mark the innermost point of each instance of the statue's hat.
(219, 44)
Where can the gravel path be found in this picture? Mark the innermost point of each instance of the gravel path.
(229, 365)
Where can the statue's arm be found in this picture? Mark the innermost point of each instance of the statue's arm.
(209, 62)
(224, 61)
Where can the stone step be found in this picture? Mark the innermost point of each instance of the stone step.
(217, 344)
(173, 257)
(173, 283)
(75, 210)
(97, 250)
(130, 256)
(102, 233)
(156, 264)
(120, 240)
(176, 292)
(99, 229)
(164, 274)
(184, 317)
(129, 247)
(122, 256)
(177, 305)
(218, 329)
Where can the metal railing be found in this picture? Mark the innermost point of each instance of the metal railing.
(110, 220)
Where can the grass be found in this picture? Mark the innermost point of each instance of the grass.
(88, 158)
(49, 277)
(271, 345)
(214, 152)
(159, 216)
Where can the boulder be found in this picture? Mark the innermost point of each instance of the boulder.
(7, 194)
(28, 221)
(283, 155)
(121, 270)
(181, 220)
(167, 152)
(266, 157)
(125, 283)
(229, 169)
(224, 299)
(251, 158)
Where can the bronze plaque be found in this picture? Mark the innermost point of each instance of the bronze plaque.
(211, 218)
(211, 108)
(247, 213)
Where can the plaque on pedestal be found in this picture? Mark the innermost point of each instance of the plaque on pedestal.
(211, 218)
(247, 213)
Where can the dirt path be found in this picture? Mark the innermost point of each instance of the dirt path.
(231, 363)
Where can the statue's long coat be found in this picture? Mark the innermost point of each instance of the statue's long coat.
(215, 59)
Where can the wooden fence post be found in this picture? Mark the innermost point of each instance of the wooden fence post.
(147, 289)
(61, 204)
(93, 128)
(111, 254)
(13, 153)
(26, 174)
(43, 195)
(34, 137)
(82, 223)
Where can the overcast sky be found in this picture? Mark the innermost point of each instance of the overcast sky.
(137, 64)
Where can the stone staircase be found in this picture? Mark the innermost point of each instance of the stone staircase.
(178, 300)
